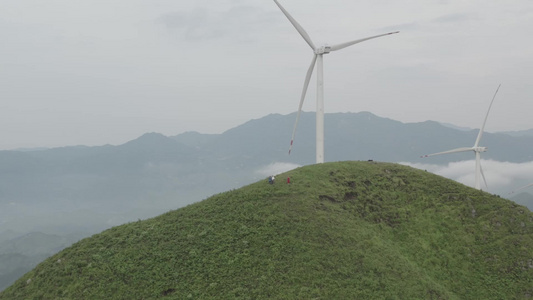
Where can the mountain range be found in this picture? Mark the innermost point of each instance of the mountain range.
(83, 190)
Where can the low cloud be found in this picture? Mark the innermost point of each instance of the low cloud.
(454, 18)
(276, 168)
(241, 23)
(502, 177)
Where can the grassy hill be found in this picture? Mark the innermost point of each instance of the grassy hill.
(348, 230)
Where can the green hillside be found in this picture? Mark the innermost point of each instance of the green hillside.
(349, 230)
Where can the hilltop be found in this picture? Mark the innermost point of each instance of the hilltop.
(347, 230)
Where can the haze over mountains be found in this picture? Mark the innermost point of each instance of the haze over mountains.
(157, 173)
(82, 190)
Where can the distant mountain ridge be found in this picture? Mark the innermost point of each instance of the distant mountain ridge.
(528, 132)
(456, 127)
(154, 164)
(88, 189)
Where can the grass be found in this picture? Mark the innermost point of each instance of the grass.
(347, 230)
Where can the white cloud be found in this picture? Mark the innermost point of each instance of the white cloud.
(502, 177)
(276, 168)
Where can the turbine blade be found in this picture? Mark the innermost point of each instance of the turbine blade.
(483, 175)
(298, 27)
(524, 187)
(449, 151)
(344, 45)
(480, 134)
(302, 98)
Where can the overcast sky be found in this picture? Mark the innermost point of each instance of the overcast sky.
(106, 71)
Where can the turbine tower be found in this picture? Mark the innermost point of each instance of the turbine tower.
(317, 57)
(477, 149)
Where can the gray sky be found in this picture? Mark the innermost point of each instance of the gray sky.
(98, 72)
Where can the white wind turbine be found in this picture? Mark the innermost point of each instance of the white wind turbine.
(318, 52)
(477, 149)
(519, 189)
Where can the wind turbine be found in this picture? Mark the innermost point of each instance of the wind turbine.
(317, 57)
(477, 149)
(519, 189)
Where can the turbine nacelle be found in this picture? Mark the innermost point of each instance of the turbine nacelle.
(479, 149)
(323, 50)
